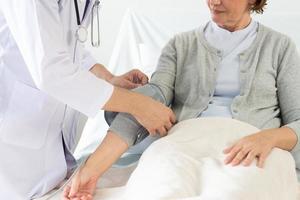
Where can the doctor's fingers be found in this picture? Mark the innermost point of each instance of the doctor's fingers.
(169, 121)
(162, 131)
(143, 78)
(173, 118)
(169, 125)
(138, 77)
(158, 131)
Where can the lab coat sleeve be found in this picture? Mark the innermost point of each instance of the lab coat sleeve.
(38, 32)
(87, 61)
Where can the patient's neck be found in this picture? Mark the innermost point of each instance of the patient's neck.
(236, 25)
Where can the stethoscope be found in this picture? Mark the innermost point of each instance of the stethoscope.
(82, 32)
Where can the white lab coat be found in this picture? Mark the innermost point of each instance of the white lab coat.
(37, 80)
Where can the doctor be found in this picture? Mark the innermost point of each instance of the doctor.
(46, 76)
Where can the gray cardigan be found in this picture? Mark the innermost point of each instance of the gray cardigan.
(186, 74)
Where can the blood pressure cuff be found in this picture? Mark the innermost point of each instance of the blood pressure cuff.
(125, 125)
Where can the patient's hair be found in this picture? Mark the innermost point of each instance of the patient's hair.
(259, 6)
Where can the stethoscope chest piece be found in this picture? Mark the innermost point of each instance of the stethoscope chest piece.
(82, 34)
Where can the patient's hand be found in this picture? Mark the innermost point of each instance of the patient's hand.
(259, 145)
(247, 149)
(82, 186)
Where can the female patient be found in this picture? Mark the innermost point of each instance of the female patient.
(231, 67)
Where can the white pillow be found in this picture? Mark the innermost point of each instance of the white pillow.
(188, 163)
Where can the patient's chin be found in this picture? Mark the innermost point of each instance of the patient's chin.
(189, 163)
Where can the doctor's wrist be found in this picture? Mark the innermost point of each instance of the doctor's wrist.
(101, 72)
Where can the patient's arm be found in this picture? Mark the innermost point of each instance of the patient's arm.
(85, 180)
(125, 125)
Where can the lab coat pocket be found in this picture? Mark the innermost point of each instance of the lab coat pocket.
(26, 120)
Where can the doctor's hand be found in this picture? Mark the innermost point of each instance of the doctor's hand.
(257, 146)
(130, 80)
(81, 187)
(151, 114)
(155, 117)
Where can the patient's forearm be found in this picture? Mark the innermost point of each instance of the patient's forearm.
(106, 154)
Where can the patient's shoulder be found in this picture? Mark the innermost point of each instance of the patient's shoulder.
(271, 36)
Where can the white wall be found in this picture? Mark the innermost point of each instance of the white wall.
(113, 11)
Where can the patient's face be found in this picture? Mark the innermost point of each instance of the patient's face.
(230, 14)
